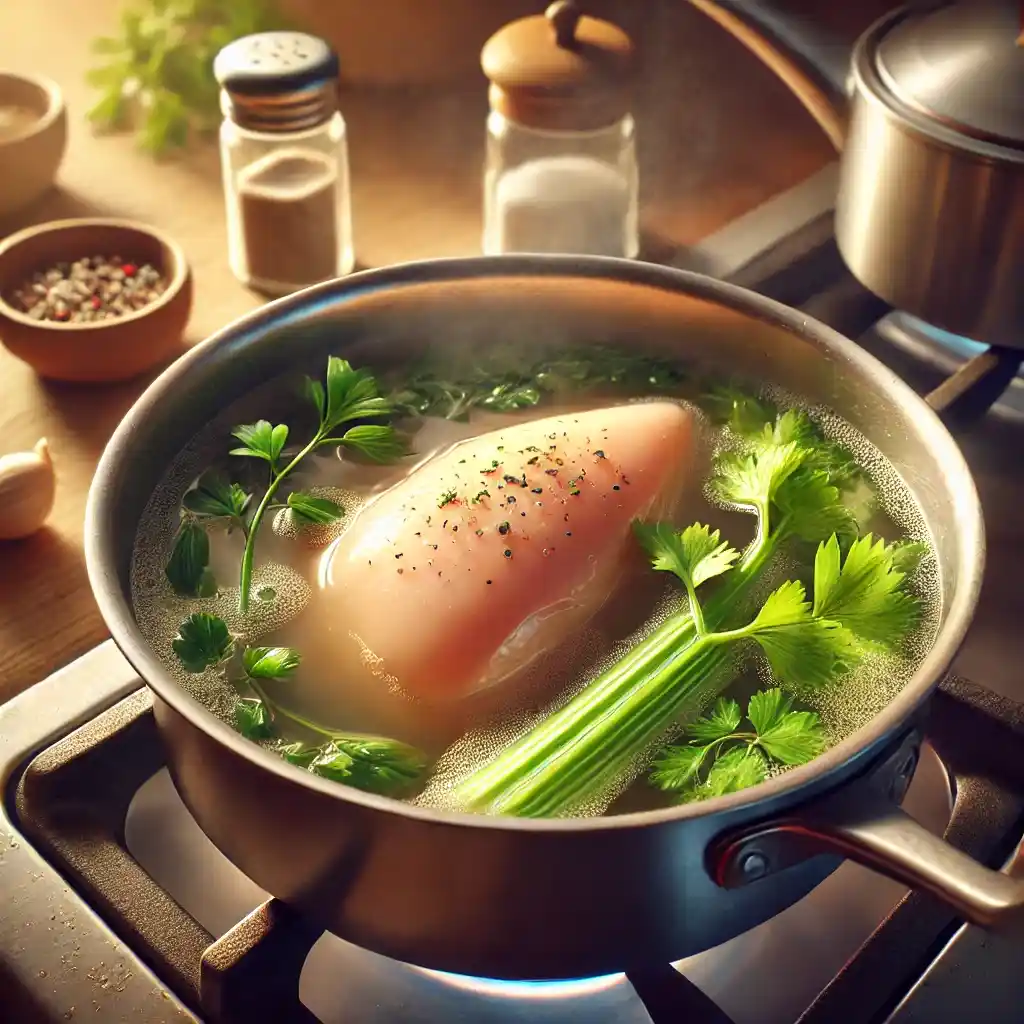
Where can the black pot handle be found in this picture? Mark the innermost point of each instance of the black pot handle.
(865, 824)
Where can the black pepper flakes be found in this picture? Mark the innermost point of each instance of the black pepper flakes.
(507, 552)
(615, 487)
(551, 472)
(504, 527)
(489, 582)
(600, 454)
(568, 533)
(399, 555)
(536, 490)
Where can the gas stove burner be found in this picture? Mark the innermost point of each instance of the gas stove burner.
(946, 353)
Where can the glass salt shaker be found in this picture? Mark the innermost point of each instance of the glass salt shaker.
(285, 162)
(561, 170)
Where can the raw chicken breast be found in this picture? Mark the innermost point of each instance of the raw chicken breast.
(491, 554)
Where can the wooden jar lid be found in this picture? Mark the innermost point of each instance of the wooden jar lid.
(561, 70)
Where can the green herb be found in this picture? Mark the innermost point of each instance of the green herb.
(345, 395)
(158, 71)
(859, 604)
(373, 763)
(310, 509)
(720, 758)
(499, 382)
(447, 498)
(203, 640)
(212, 497)
(252, 719)
(187, 569)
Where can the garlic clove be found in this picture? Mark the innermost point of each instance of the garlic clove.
(27, 487)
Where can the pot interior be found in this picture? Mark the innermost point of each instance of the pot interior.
(386, 317)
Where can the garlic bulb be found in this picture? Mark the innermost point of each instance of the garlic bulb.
(27, 485)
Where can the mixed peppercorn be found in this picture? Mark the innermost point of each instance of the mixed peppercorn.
(90, 289)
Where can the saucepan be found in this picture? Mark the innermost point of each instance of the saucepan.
(928, 114)
(518, 898)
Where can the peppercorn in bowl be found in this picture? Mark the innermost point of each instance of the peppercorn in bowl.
(93, 299)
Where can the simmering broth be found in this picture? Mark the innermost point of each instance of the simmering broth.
(350, 689)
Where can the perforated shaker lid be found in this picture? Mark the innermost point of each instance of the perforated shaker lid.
(560, 70)
(278, 81)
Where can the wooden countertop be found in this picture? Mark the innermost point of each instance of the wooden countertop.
(711, 148)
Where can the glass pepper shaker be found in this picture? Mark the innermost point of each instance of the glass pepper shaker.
(561, 171)
(285, 162)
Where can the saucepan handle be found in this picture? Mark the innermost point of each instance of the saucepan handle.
(863, 823)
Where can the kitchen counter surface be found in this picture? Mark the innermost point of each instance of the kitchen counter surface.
(707, 155)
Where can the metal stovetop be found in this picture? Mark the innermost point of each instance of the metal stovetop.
(114, 905)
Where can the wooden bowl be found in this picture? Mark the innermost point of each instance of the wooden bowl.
(30, 157)
(104, 350)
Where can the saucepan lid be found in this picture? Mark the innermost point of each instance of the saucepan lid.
(961, 65)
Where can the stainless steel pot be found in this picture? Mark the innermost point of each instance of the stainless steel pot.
(551, 898)
(930, 118)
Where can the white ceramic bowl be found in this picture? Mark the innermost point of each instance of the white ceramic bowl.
(30, 158)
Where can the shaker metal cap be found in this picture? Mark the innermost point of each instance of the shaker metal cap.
(961, 65)
(560, 70)
(278, 81)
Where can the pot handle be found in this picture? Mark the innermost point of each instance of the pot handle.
(814, 68)
(864, 824)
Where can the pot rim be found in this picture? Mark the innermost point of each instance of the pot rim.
(115, 608)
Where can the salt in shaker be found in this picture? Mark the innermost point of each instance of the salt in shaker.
(285, 162)
(561, 171)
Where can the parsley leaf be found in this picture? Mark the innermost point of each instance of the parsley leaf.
(203, 640)
(261, 440)
(375, 442)
(753, 480)
(677, 767)
(301, 754)
(213, 496)
(739, 768)
(813, 507)
(864, 591)
(695, 555)
(332, 763)
(314, 510)
(270, 662)
(186, 569)
(802, 650)
(253, 719)
(785, 735)
(350, 395)
(723, 719)
(745, 415)
(381, 765)
(736, 759)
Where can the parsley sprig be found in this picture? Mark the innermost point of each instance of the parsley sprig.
(373, 763)
(344, 400)
(723, 758)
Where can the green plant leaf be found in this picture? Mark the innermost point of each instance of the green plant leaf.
(314, 391)
(767, 708)
(863, 591)
(375, 442)
(301, 754)
(753, 480)
(813, 506)
(253, 719)
(695, 555)
(381, 765)
(722, 720)
(261, 440)
(212, 495)
(677, 768)
(311, 509)
(270, 662)
(189, 559)
(332, 763)
(203, 640)
(350, 395)
(738, 769)
(802, 650)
